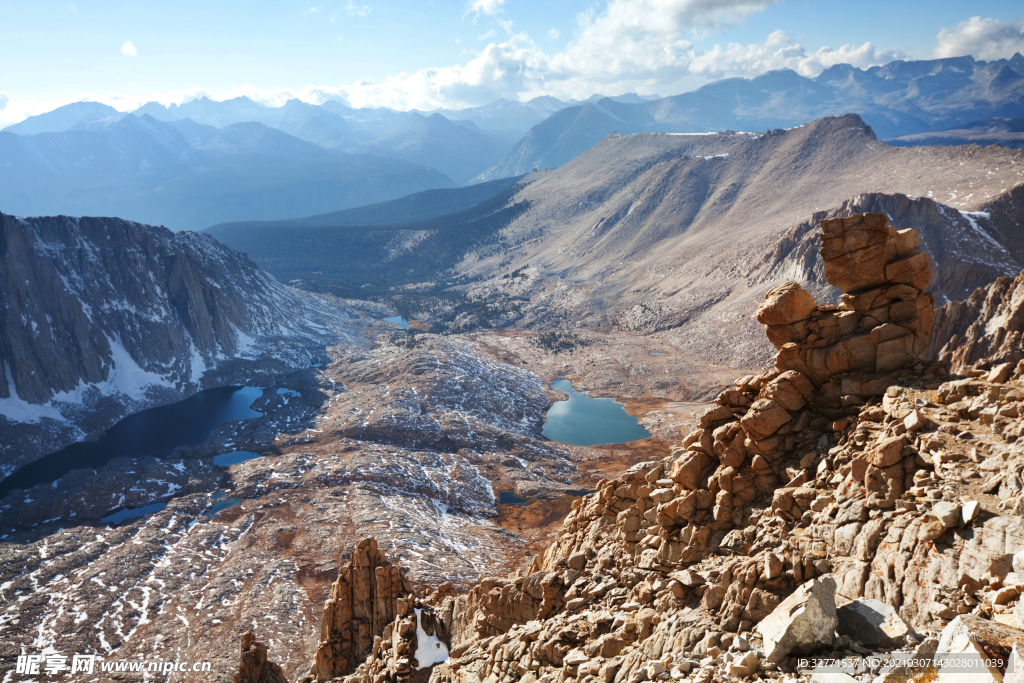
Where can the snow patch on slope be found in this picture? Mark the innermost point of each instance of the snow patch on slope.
(17, 409)
(429, 649)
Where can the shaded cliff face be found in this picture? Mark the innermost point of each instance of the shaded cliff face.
(101, 314)
(985, 329)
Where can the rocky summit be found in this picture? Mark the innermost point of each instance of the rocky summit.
(855, 502)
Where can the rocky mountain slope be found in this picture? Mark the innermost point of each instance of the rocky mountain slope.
(412, 446)
(189, 176)
(852, 503)
(681, 235)
(898, 99)
(101, 317)
(987, 326)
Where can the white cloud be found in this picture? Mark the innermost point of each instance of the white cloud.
(645, 46)
(980, 38)
(555, 33)
(129, 49)
(489, 7)
(778, 52)
(4, 99)
(357, 10)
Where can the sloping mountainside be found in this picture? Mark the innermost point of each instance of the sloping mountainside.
(994, 131)
(680, 235)
(415, 207)
(898, 99)
(851, 514)
(189, 176)
(101, 317)
(63, 118)
(345, 260)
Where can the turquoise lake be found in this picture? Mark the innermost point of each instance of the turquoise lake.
(585, 421)
(398, 320)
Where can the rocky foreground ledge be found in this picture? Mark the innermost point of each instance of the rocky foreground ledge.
(854, 504)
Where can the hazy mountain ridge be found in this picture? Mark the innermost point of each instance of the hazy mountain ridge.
(415, 207)
(346, 259)
(992, 131)
(187, 175)
(898, 99)
(102, 317)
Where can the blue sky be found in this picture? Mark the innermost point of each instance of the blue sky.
(428, 54)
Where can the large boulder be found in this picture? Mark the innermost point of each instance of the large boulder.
(803, 622)
(873, 623)
(788, 303)
(975, 650)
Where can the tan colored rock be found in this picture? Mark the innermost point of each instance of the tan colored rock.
(804, 621)
(888, 451)
(764, 418)
(365, 598)
(947, 513)
(686, 471)
(253, 665)
(913, 271)
(786, 304)
(985, 645)
(856, 251)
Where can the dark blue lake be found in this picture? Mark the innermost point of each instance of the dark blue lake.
(398, 320)
(233, 458)
(152, 433)
(132, 513)
(585, 421)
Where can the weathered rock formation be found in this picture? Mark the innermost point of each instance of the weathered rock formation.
(847, 474)
(369, 593)
(987, 328)
(882, 325)
(253, 666)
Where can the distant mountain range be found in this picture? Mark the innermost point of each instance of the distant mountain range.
(278, 163)
(898, 99)
(187, 175)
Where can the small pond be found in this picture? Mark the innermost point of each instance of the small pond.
(510, 498)
(233, 458)
(398, 320)
(220, 502)
(585, 421)
(132, 513)
(153, 433)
